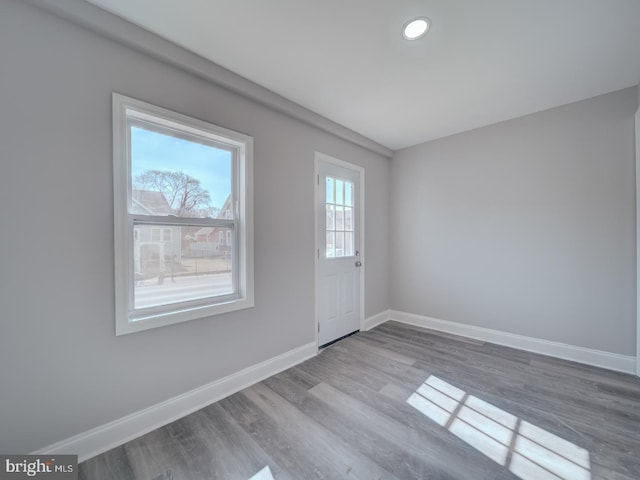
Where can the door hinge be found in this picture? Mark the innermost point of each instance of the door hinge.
(318, 254)
(318, 179)
(318, 327)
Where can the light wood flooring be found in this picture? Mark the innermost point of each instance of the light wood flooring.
(485, 412)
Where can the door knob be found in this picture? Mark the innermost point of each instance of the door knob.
(358, 263)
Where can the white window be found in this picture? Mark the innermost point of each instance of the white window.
(339, 211)
(170, 173)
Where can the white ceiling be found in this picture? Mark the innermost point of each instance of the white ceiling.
(482, 61)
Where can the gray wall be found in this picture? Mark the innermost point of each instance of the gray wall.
(527, 226)
(63, 369)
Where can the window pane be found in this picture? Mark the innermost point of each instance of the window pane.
(340, 192)
(339, 218)
(331, 245)
(194, 264)
(348, 219)
(348, 244)
(339, 244)
(331, 215)
(331, 198)
(348, 193)
(178, 174)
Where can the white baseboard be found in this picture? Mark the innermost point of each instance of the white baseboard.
(598, 358)
(375, 320)
(105, 437)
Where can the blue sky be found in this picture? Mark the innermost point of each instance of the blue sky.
(156, 151)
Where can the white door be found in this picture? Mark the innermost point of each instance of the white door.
(339, 259)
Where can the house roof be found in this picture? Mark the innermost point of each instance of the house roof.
(225, 206)
(149, 203)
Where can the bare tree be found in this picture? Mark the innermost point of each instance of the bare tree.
(184, 193)
(210, 211)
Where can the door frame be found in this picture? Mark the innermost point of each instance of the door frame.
(320, 157)
(637, 130)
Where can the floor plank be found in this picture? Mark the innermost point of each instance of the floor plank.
(344, 414)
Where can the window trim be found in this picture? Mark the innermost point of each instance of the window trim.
(123, 237)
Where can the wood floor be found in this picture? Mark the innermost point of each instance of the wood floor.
(344, 414)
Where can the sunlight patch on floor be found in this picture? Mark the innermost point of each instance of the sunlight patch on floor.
(527, 451)
(264, 474)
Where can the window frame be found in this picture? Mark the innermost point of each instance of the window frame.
(128, 320)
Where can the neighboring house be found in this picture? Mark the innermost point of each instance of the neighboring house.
(213, 241)
(154, 247)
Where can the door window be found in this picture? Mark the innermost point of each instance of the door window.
(339, 218)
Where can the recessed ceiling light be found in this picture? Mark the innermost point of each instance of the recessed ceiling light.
(416, 28)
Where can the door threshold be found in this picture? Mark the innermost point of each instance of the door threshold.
(328, 344)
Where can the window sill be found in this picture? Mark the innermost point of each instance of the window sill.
(125, 325)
